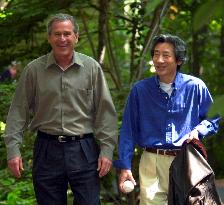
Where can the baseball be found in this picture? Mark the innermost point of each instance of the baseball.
(128, 186)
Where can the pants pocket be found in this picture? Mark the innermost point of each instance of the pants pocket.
(90, 149)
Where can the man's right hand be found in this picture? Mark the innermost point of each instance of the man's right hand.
(125, 175)
(16, 166)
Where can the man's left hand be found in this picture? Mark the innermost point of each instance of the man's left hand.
(104, 166)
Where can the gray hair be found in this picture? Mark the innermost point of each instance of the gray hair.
(178, 44)
(62, 17)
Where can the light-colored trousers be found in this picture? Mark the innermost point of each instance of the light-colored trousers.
(154, 178)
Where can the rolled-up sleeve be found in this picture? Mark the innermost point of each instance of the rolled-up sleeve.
(206, 126)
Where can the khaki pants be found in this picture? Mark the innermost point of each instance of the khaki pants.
(154, 178)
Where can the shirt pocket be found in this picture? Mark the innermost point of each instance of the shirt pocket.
(84, 99)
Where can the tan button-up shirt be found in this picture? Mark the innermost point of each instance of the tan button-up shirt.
(70, 102)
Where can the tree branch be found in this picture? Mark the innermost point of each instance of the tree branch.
(159, 13)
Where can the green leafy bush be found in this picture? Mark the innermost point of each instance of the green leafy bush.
(16, 192)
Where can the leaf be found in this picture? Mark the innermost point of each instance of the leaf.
(206, 12)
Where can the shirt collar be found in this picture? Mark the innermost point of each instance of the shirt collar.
(75, 60)
(178, 79)
(176, 83)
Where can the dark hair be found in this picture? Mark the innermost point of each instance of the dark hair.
(178, 44)
(62, 17)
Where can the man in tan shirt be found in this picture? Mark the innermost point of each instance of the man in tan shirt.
(67, 96)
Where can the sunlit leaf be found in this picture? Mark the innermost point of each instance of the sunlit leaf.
(2, 126)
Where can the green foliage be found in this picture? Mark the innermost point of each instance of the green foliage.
(6, 93)
(22, 194)
(16, 192)
(207, 12)
(152, 6)
(13, 192)
(217, 107)
(214, 145)
(3, 162)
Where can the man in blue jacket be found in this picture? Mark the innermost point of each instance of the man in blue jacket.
(161, 113)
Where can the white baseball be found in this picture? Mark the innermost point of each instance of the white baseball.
(128, 186)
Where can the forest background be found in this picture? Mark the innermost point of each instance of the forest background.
(118, 34)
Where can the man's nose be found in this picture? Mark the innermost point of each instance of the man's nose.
(62, 37)
(160, 58)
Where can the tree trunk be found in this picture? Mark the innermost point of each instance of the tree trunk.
(197, 46)
(112, 60)
(104, 45)
(102, 29)
(195, 55)
(82, 15)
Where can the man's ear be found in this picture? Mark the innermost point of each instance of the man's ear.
(179, 62)
(77, 37)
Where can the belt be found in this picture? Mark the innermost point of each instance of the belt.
(170, 152)
(63, 138)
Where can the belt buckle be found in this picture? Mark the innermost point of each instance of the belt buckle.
(61, 138)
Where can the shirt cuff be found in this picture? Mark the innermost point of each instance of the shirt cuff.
(122, 164)
(204, 128)
(106, 152)
(13, 152)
